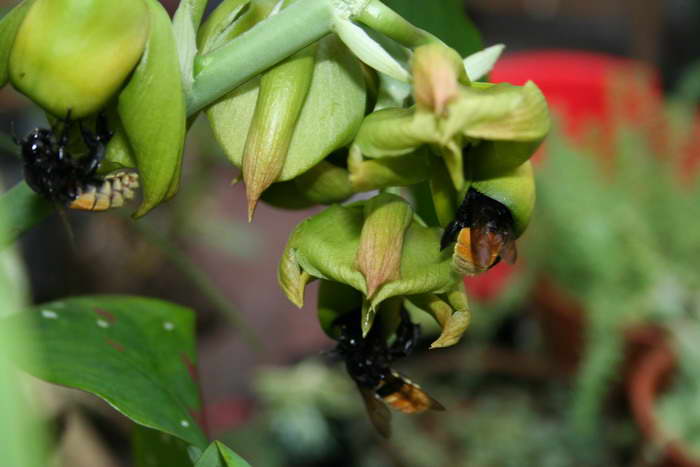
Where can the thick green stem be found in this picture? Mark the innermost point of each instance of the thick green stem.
(267, 43)
(383, 19)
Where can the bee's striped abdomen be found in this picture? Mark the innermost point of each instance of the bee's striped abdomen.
(115, 189)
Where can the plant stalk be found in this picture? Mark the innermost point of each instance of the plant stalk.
(256, 50)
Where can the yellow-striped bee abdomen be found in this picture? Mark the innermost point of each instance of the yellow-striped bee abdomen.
(115, 189)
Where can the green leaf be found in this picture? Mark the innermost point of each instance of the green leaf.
(219, 455)
(23, 438)
(152, 110)
(152, 448)
(445, 19)
(336, 84)
(136, 353)
(21, 209)
(9, 24)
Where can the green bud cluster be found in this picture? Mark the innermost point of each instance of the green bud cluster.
(347, 111)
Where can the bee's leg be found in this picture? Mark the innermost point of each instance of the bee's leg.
(96, 145)
(102, 132)
(407, 334)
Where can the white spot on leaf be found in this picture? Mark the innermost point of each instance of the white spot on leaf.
(102, 323)
(48, 314)
(185, 423)
(168, 326)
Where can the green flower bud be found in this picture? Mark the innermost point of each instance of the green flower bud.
(437, 72)
(281, 125)
(381, 241)
(281, 96)
(9, 24)
(74, 55)
(348, 244)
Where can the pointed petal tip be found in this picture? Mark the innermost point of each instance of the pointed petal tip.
(252, 204)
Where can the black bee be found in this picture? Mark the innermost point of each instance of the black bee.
(484, 231)
(51, 171)
(368, 362)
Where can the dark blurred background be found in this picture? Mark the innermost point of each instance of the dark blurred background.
(523, 388)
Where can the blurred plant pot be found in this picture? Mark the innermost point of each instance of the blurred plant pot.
(649, 375)
(561, 319)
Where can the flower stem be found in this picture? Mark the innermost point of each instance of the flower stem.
(267, 43)
(383, 19)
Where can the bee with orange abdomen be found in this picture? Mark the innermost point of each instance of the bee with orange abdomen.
(483, 230)
(368, 362)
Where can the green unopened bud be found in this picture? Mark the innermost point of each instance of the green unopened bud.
(327, 246)
(437, 72)
(74, 55)
(281, 96)
(324, 120)
(381, 241)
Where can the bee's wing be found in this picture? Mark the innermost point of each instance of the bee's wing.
(406, 396)
(378, 412)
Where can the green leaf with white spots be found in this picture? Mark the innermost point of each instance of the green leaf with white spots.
(152, 111)
(136, 353)
(9, 24)
(219, 455)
